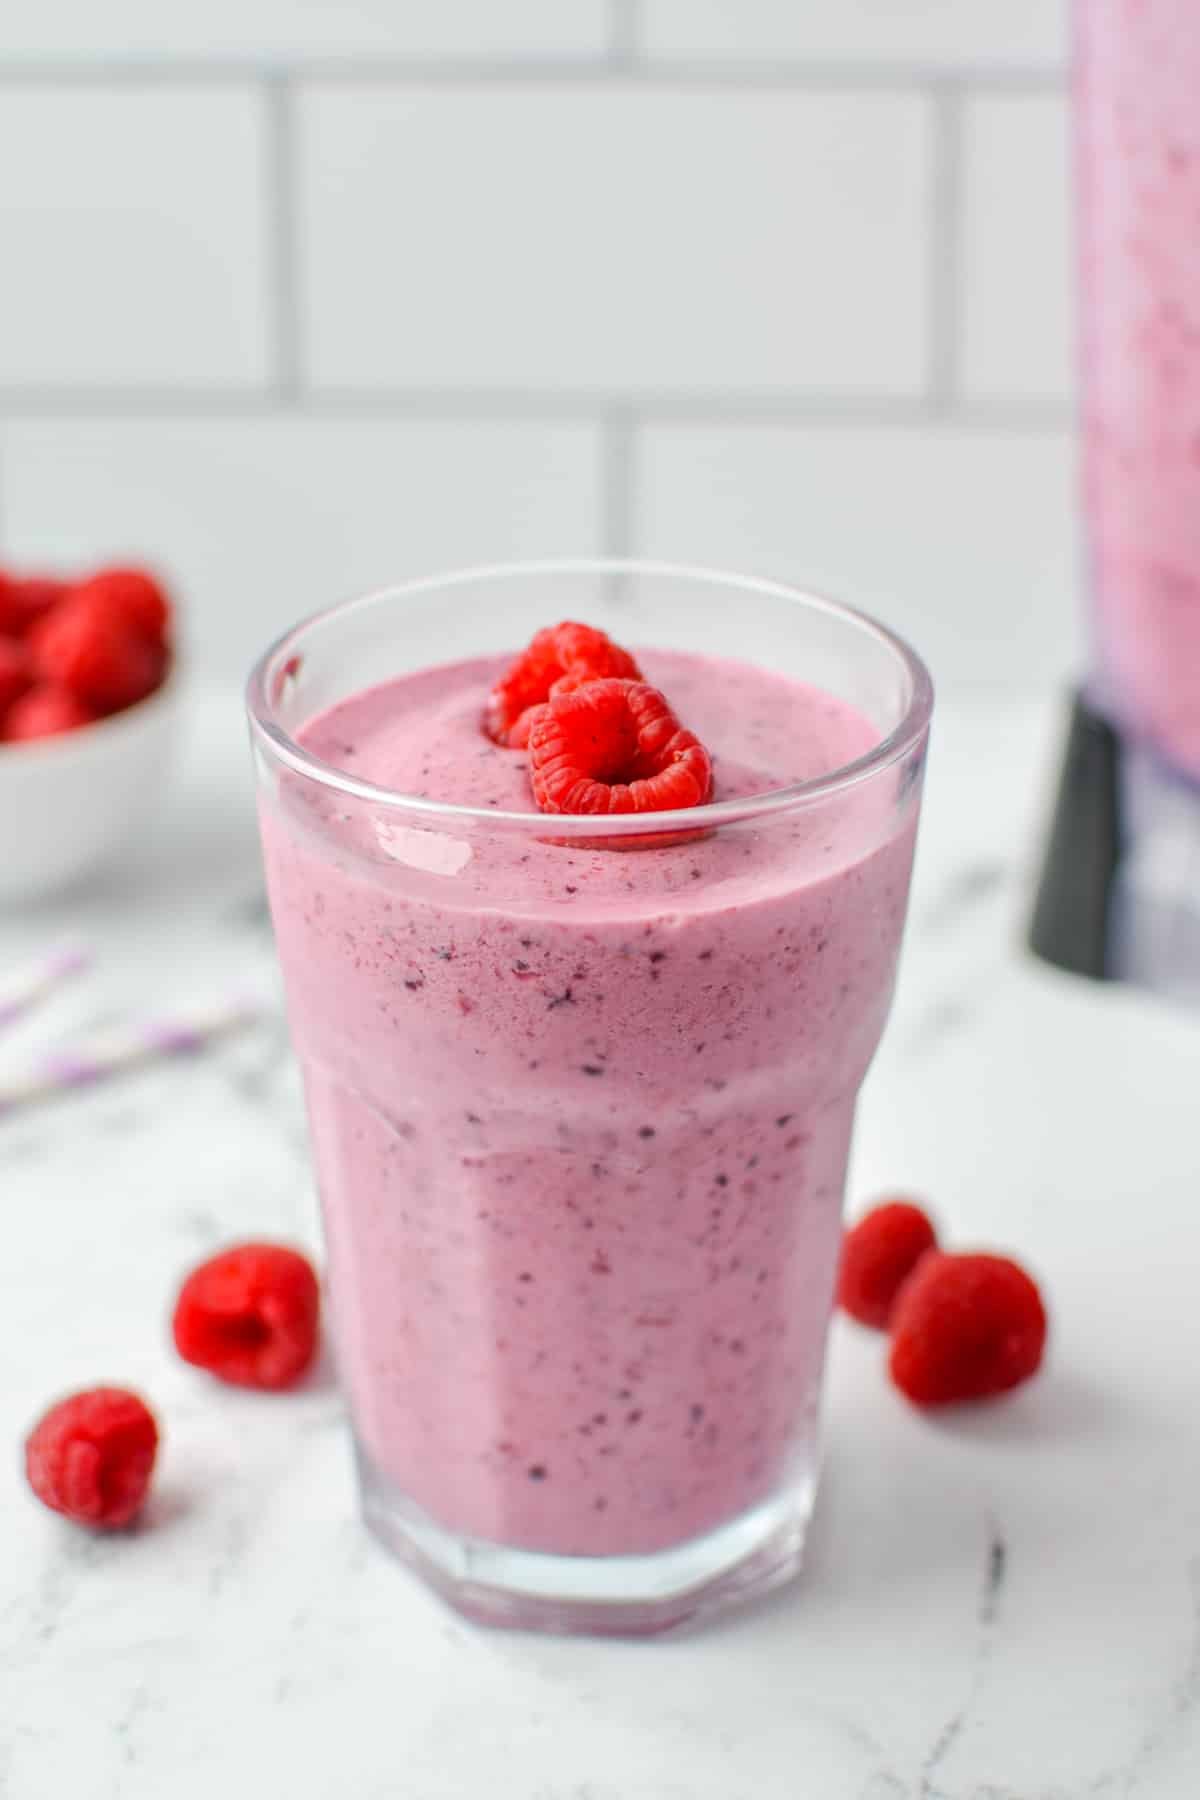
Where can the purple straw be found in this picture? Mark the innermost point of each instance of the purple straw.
(38, 980)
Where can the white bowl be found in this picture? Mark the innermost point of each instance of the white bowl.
(69, 804)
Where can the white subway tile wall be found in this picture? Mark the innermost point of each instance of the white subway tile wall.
(263, 520)
(135, 230)
(937, 33)
(607, 238)
(1017, 241)
(962, 538)
(299, 299)
(289, 29)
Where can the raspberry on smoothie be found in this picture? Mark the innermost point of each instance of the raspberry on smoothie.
(559, 659)
(614, 747)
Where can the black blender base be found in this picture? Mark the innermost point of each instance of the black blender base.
(1071, 914)
(1120, 892)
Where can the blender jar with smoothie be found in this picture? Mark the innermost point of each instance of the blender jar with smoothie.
(1121, 889)
(581, 1093)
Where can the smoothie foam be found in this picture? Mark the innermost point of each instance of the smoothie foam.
(581, 1115)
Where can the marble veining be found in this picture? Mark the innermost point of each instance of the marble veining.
(1174, 1718)
(1002, 1606)
(995, 1569)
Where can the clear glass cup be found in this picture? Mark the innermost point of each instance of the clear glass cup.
(581, 1105)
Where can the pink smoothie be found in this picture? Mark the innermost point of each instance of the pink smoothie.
(1139, 190)
(581, 1116)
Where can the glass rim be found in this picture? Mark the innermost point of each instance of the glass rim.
(891, 749)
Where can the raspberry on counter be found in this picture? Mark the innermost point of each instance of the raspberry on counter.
(91, 1457)
(965, 1327)
(878, 1256)
(250, 1316)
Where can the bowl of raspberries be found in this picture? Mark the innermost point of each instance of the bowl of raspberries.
(87, 703)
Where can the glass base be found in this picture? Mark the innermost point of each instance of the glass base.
(618, 1596)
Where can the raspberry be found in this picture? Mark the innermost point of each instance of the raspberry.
(16, 671)
(878, 1256)
(87, 646)
(249, 1316)
(559, 659)
(965, 1327)
(92, 1455)
(615, 747)
(44, 711)
(134, 598)
(24, 599)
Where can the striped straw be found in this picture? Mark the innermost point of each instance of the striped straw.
(125, 1047)
(28, 986)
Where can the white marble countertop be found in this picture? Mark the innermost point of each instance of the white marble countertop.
(1003, 1606)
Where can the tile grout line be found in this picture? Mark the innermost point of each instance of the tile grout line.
(624, 35)
(103, 70)
(617, 481)
(946, 314)
(534, 405)
(283, 260)
(622, 61)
